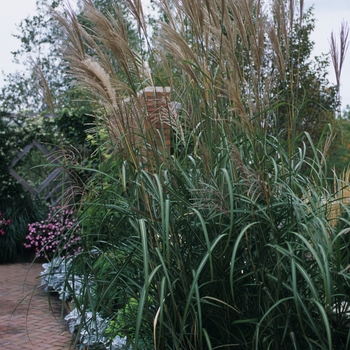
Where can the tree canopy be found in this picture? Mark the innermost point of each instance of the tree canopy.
(41, 38)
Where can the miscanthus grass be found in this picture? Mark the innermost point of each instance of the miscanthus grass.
(235, 238)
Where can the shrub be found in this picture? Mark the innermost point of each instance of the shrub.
(3, 223)
(20, 211)
(17, 132)
(8, 245)
(60, 232)
(15, 135)
(16, 202)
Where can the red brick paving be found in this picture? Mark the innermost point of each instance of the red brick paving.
(28, 318)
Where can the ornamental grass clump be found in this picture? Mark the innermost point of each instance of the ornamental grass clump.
(232, 230)
(59, 232)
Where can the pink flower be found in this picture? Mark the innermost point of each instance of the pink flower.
(47, 234)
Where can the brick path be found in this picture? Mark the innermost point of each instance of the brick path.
(33, 323)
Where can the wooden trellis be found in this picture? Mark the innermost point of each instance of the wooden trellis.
(52, 195)
(156, 101)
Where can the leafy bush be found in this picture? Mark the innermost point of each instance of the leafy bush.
(8, 245)
(20, 211)
(59, 232)
(16, 133)
(3, 224)
(123, 325)
(54, 132)
(16, 202)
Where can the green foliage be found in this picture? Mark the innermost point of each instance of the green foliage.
(74, 125)
(39, 36)
(338, 157)
(108, 294)
(55, 134)
(125, 320)
(124, 324)
(100, 221)
(234, 237)
(59, 231)
(241, 258)
(20, 211)
(15, 135)
(307, 101)
(227, 255)
(16, 202)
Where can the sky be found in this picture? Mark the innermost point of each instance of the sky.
(329, 15)
(11, 13)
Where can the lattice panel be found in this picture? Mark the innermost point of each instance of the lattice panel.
(35, 178)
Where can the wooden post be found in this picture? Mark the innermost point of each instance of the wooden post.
(156, 101)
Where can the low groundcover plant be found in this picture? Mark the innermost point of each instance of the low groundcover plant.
(58, 233)
(92, 329)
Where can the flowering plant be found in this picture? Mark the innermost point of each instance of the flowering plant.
(58, 233)
(3, 224)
